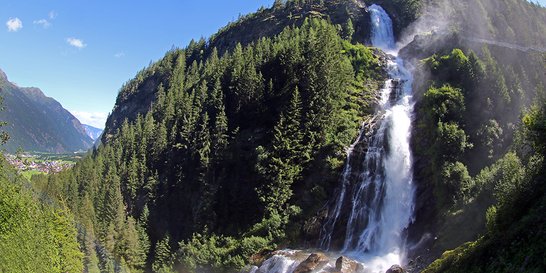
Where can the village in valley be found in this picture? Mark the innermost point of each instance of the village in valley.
(41, 163)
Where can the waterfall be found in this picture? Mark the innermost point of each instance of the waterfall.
(381, 205)
(373, 205)
(382, 32)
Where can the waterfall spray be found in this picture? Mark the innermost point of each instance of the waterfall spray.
(382, 201)
(380, 195)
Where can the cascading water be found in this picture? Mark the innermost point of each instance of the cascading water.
(382, 201)
(379, 198)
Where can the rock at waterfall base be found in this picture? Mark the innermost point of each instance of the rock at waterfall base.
(396, 269)
(346, 265)
(313, 262)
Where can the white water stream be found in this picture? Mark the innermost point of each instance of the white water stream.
(380, 199)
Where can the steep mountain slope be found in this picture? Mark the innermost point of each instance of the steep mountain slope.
(236, 151)
(474, 78)
(350, 16)
(93, 132)
(39, 123)
(225, 150)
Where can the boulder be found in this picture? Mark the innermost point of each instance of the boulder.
(314, 262)
(396, 269)
(346, 265)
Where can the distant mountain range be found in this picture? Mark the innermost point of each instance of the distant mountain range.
(93, 132)
(39, 123)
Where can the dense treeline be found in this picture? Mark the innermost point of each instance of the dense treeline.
(513, 21)
(350, 18)
(467, 140)
(36, 235)
(515, 238)
(466, 122)
(236, 148)
(227, 160)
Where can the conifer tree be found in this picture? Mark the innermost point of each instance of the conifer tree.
(348, 30)
(162, 255)
(280, 164)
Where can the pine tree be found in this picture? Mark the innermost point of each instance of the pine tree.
(219, 132)
(130, 248)
(348, 30)
(162, 255)
(280, 165)
(177, 83)
(91, 260)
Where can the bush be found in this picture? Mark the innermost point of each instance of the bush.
(456, 179)
(215, 253)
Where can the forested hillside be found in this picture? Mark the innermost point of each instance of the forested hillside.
(230, 148)
(36, 234)
(474, 84)
(349, 17)
(236, 152)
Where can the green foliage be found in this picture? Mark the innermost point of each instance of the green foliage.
(282, 164)
(163, 259)
(4, 136)
(502, 178)
(444, 104)
(213, 253)
(444, 141)
(451, 141)
(512, 242)
(491, 134)
(490, 216)
(466, 131)
(227, 148)
(34, 237)
(535, 128)
(348, 30)
(456, 177)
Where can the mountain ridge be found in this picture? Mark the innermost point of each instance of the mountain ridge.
(39, 123)
(213, 159)
(93, 132)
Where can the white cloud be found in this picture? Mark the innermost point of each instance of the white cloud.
(45, 23)
(14, 24)
(119, 54)
(95, 119)
(76, 42)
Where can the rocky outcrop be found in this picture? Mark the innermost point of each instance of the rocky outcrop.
(138, 95)
(346, 265)
(295, 261)
(312, 263)
(396, 269)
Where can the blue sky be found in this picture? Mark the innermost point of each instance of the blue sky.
(81, 52)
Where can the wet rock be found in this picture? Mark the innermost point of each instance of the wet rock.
(396, 269)
(346, 265)
(416, 265)
(314, 262)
